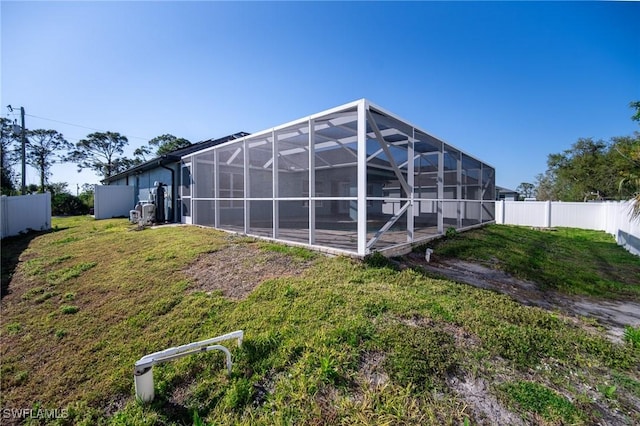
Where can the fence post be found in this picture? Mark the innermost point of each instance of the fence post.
(500, 212)
(547, 214)
(96, 201)
(47, 209)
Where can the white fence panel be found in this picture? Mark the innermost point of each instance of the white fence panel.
(611, 216)
(113, 201)
(24, 212)
(627, 232)
(529, 213)
(578, 215)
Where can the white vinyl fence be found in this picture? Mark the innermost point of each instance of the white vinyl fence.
(22, 213)
(612, 217)
(112, 201)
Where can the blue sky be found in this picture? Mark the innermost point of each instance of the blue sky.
(509, 82)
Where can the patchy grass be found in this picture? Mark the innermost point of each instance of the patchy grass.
(541, 400)
(296, 252)
(65, 274)
(69, 309)
(342, 342)
(570, 260)
(632, 336)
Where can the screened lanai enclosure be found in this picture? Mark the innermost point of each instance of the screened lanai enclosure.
(353, 179)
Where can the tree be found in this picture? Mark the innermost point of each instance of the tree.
(141, 153)
(545, 186)
(636, 106)
(100, 153)
(167, 143)
(42, 151)
(67, 205)
(123, 163)
(632, 180)
(31, 188)
(526, 190)
(58, 187)
(7, 140)
(87, 195)
(578, 174)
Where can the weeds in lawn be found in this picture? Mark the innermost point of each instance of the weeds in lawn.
(536, 398)
(296, 252)
(608, 390)
(632, 336)
(65, 274)
(68, 309)
(14, 328)
(343, 342)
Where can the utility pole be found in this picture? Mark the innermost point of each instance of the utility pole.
(23, 138)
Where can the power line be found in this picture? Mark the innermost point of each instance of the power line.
(83, 127)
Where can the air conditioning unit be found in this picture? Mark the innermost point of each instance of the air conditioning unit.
(134, 216)
(148, 214)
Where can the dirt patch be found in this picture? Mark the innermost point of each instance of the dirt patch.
(464, 340)
(237, 269)
(181, 392)
(116, 403)
(485, 407)
(613, 315)
(326, 400)
(371, 368)
(462, 337)
(265, 387)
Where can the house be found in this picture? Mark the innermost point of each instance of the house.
(350, 180)
(164, 169)
(506, 194)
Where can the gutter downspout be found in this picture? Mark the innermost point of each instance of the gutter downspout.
(173, 188)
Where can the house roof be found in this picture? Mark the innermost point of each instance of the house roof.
(502, 190)
(174, 156)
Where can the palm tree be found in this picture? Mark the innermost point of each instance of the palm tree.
(632, 181)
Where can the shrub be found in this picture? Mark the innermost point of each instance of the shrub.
(64, 204)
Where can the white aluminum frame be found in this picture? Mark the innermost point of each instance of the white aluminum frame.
(407, 207)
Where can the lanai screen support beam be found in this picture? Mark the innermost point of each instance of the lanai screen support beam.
(403, 183)
(385, 147)
(389, 224)
(276, 208)
(247, 216)
(312, 183)
(410, 194)
(362, 178)
(441, 190)
(459, 190)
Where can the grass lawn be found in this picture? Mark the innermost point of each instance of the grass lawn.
(573, 261)
(342, 342)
